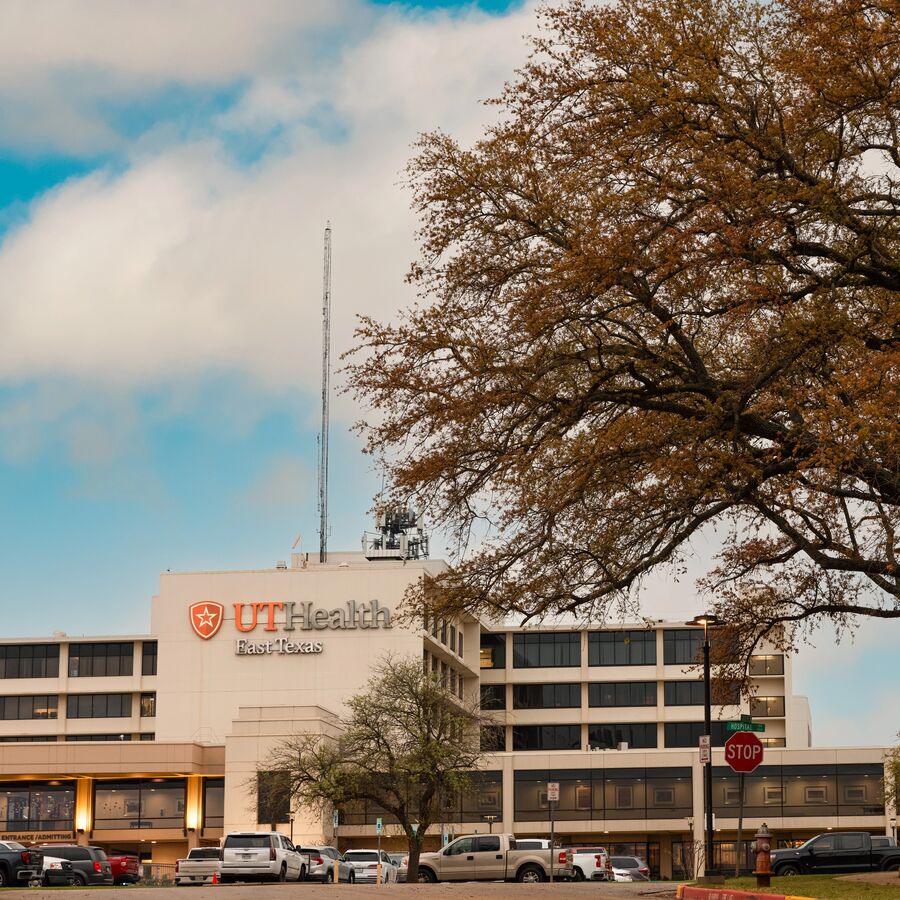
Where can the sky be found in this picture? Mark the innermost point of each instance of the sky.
(166, 175)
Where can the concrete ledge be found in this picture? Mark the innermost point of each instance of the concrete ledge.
(689, 892)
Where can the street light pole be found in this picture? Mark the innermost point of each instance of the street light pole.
(707, 621)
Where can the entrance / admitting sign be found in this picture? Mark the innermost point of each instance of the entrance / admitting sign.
(743, 752)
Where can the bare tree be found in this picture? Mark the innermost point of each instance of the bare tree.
(407, 744)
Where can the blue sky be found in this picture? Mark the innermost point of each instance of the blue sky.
(164, 184)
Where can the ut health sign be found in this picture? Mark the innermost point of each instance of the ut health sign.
(743, 752)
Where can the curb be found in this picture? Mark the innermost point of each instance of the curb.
(689, 892)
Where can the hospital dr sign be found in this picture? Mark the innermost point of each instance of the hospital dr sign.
(281, 619)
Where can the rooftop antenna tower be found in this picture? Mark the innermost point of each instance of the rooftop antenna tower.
(326, 392)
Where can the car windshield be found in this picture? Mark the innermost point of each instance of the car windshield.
(248, 840)
(361, 856)
(625, 862)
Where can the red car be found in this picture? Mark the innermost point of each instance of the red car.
(126, 869)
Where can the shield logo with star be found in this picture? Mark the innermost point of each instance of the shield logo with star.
(206, 618)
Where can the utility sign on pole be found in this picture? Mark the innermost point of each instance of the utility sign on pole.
(705, 749)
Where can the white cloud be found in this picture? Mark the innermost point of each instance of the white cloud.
(188, 263)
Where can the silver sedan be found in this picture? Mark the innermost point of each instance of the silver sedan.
(366, 864)
(321, 864)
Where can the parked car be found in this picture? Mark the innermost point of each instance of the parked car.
(89, 864)
(401, 861)
(365, 864)
(629, 868)
(321, 864)
(590, 864)
(126, 868)
(266, 855)
(198, 867)
(834, 853)
(20, 865)
(493, 857)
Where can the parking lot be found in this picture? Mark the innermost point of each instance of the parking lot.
(465, 891)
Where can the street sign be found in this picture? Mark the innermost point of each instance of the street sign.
(335, 819)
(378, 825)
(743, 752)
(745, 726)
(705, 751)
(553, 791)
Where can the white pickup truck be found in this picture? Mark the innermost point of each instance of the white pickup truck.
(493, 857)
(198, 867)
(591, 864)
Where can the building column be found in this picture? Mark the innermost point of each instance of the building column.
(193, 809)
(509, 794)
(84, 810)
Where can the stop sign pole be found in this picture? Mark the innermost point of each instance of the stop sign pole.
(743, 752)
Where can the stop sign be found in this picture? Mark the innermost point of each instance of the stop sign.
(743, 751)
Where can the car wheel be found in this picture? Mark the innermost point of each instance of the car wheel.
(4, 878)
(892, 867)
(302, 875)
(282, 873)
(426, 876)
(530, 875)
(579, 875)
(80, 879)
(789, 869)
(352, 878)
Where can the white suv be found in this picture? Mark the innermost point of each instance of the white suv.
(263, 855)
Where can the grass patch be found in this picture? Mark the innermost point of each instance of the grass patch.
(821, 887)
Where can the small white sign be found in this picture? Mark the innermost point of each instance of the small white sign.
(378, 825)
(335, 819)
(553, 791)
(705, 749)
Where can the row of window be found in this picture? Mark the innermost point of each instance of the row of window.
(78, 706)
(450, 678)
(53, 738)
(606, 736)
(681, 646)
(137, 803)
(445, 632)
(616, 694)
(658, 793)
(85, 660)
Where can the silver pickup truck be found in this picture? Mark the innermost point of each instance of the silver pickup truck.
(494, 857)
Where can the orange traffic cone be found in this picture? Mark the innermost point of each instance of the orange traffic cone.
(215, 878)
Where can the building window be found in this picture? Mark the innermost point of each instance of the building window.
(273, 798)
(29, 661)
(453, 638)
(687, 734)
(100, 660)
(638, 735)
(148, 736)
(684, 693)
(682, 646)
(148, 706)
(98, 706)
(37, 706)
(213, 802)
(546, 696)
(98, 737)
(493, 651)
(148, 657)
(28, 738)
(766, 707)
(771, 741)
(622, 648)
(37, 806)
(622, 693)
(493, 696)
(139, 803)
(444, 632)
(483, 798)
(547, 737)
(546, 649)
(459, 642)
(493, 738)
(767, 665)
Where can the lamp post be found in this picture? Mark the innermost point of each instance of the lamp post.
(707, 621)
(490, 819)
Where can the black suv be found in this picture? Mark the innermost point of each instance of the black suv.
(89, 864)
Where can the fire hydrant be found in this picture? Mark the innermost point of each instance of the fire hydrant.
(762, 847)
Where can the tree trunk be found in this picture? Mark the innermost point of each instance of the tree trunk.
(415, 849)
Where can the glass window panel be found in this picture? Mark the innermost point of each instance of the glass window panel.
(484, 798)
(625, 794)
(547, 649)
(682, 646)
(763, 707)
(772, 664)
(622, 648)
(149, 652)
(493, 651)
(860, 790)
(148, 705)
(622, 693)
(493, 696)
(547, 737)
(493, 738)
(546, 696)
(684, 693)
(608, 736)
(810, 790)
(687, 734)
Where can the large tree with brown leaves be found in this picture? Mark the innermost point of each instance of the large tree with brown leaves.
(660, 296)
